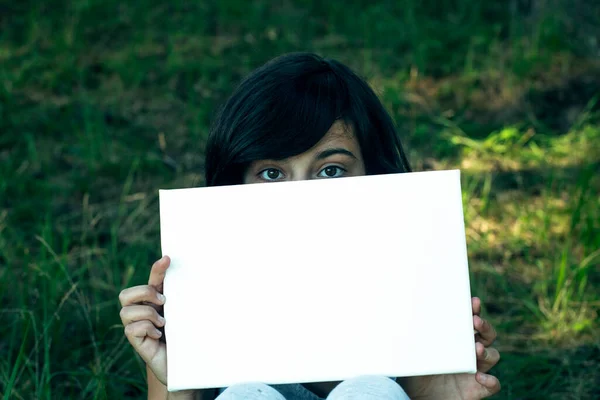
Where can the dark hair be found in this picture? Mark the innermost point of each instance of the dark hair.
(285, 107)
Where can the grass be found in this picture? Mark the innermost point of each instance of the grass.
(102, 103)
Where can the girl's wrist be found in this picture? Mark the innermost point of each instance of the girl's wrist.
(183, 395)
(205, 394)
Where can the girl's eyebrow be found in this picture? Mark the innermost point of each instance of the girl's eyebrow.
(329, 152)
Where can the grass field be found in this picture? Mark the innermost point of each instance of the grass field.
(104, 102)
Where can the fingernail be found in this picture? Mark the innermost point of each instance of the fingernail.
(161, 297)
(159, 333)
(161, 319)
(483, 378)
(477, 320)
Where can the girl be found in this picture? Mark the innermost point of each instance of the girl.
(299, 117)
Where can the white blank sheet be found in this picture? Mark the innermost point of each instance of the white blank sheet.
(319, 280)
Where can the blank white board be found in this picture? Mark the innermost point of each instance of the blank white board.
(319, 280)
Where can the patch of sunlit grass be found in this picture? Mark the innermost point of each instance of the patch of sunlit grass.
(511, 149)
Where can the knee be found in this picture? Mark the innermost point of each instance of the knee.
(368, 388)
(250, 391)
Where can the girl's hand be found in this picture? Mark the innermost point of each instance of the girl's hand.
(142, 317)
(487, 356)
(462, 386)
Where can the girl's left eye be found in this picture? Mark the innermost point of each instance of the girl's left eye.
(271, 174)
(331, 172)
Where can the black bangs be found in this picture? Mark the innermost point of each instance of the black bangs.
(282, 109)
(295, 112)
(285, 107)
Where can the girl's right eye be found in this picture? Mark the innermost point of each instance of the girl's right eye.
(271, 174)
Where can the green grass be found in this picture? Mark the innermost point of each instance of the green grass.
(103, 103)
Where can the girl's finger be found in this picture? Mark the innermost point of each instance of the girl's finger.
(490, 385)
(157, 273)
(476, 305)
(487, 333)
(141, 294)
(136, 313)
(136, 332)
(487, 358)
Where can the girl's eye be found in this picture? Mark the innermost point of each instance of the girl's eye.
(331, 172)
(271, 174)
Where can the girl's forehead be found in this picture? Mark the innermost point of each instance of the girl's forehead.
(340, 131)
(339, 136)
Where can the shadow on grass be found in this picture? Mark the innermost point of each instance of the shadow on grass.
(571, 374)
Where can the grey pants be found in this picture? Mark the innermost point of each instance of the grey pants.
(361, 388)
